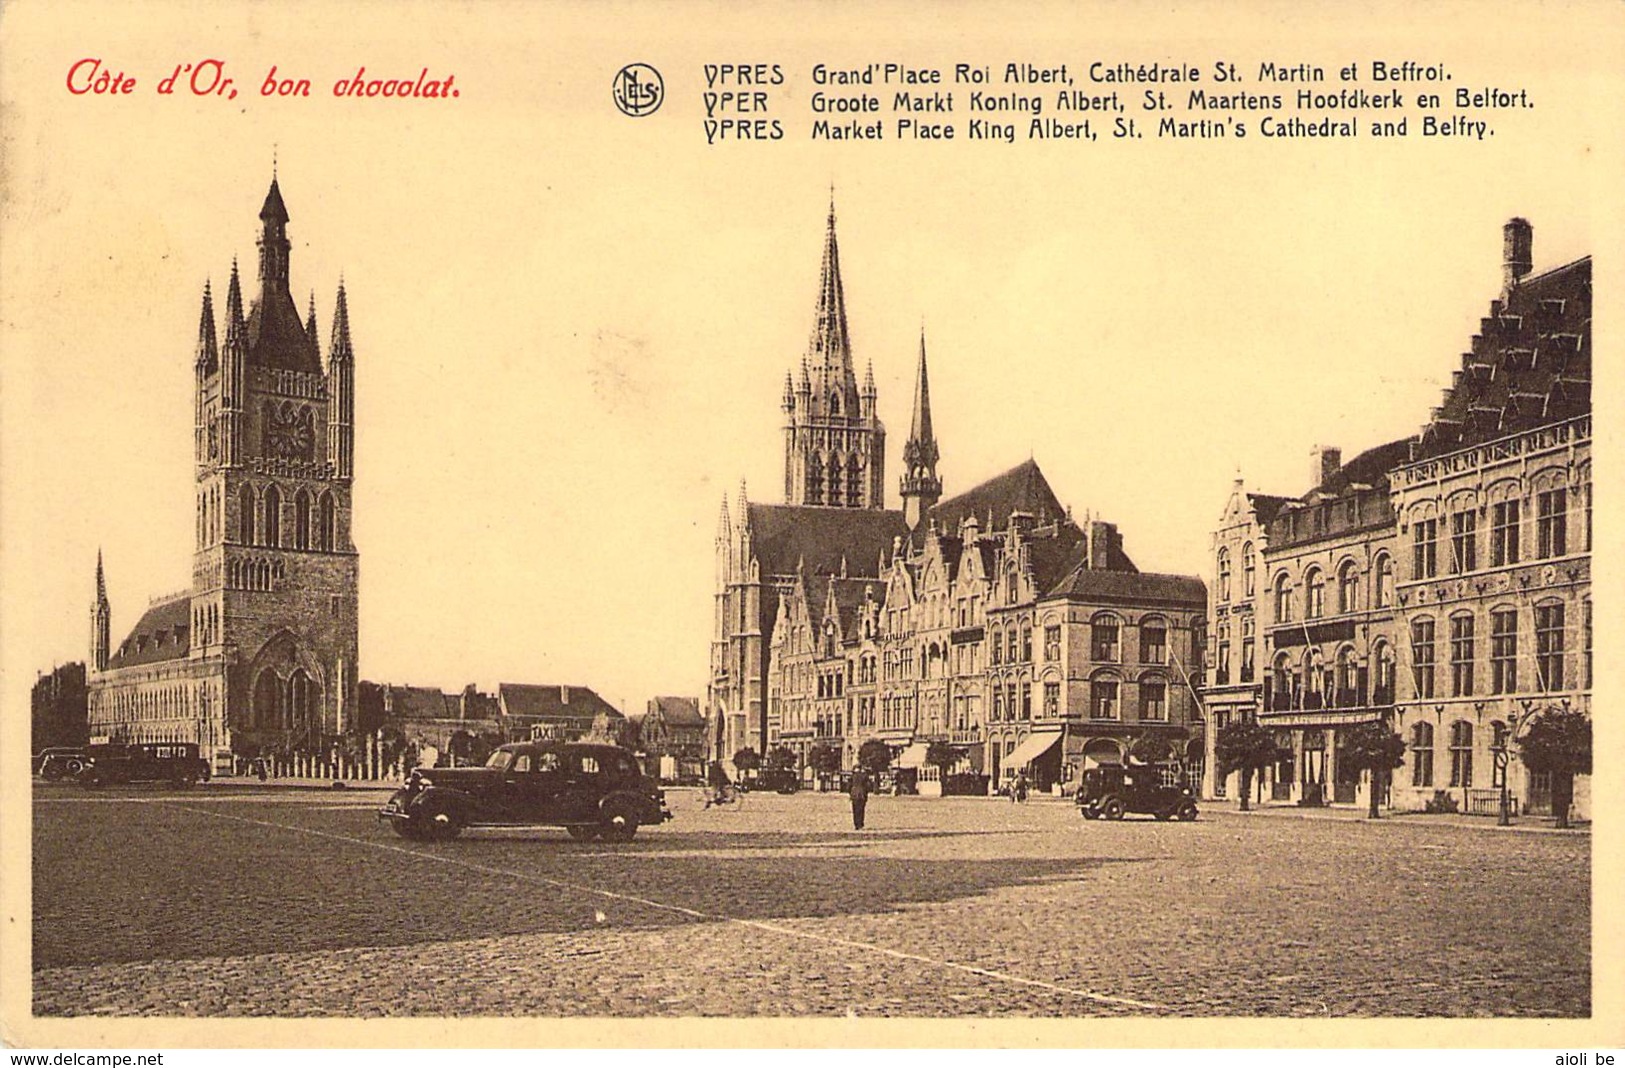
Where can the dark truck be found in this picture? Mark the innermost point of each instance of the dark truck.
(1112, 790)
(592, 791)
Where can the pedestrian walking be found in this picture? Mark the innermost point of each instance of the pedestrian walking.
(859, 793)
(1021, 787)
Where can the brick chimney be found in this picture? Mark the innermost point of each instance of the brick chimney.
(1518, 257)
(564, 695)
(1103, 537)
(1324, 460)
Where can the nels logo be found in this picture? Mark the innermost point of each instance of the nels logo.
(638, 90)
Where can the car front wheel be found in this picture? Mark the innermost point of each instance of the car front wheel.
(620, 823)
(439, 823)
(1112, 808)
(1186, 812)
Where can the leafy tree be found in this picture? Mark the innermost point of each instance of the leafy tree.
(1372, 747)
(747, 759)
(942, 756)
(1558, 742)
(1149, 749)
(875, 755)
(825, 760)
(781, 758)
(1246, 746)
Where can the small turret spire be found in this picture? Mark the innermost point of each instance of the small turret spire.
(829, 339)
(310, 326)
(921, 488)
(234, 304)
(101, 579)
(208, 352)
(340, 348)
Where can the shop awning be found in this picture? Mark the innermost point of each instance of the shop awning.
(913, 756)
(1036, 745)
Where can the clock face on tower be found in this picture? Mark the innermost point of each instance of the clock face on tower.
(290, 432)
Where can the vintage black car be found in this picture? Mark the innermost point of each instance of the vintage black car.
(1110, 791)
(59, 762)
(591, 791)
(171, 762)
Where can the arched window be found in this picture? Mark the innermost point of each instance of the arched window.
(1384, 690)
(267, 701)
(853, 495)
(1105, 638)
(1315, 594)
(1224, 575)
(328, 527)
(1385, 581)
(836, 482)
(1348, 587)
(1461, 753)
(273, 516)
(245, 515)
(1283, 598)
(1281, 683)
(815, 479)
(1422, 754)
(1348, 680)
(301, 519)
(1249, 570)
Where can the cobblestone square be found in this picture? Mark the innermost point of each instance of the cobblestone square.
(241, 901)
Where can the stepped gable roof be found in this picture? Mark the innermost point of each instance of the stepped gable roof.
(1529, 365)
(1266, 505)
(679, 711)
(1131, 587)
(1023, 488)
(164, 632)
(553, 702)
(783, 535)
(849, 598)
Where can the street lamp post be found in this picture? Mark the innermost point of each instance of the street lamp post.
(1502, 748)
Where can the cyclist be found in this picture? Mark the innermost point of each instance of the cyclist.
(716, 777)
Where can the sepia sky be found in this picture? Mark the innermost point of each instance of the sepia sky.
(572, 327)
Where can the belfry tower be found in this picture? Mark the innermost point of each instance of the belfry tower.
(834, 443)
(274, 593)
(921, 488)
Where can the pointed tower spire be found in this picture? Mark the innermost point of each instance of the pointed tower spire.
(830, 343)
(921, 488)
(789, 402)
(101, 615)
(234, 304)
(208, 351)
(340, 388)
(310, 326)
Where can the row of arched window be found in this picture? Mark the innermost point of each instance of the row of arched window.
(1461, 753)
(261, 519)
(1345, 595)
(1308, 681)
(838, 483)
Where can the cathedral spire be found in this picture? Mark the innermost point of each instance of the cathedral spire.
(101, 579)
(830, 342)
(234, 305)
(101, 616)
(273, 242)
(921, 488)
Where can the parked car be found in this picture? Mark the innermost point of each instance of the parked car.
(779, 780)
(1111, 791)
(171, 762)
(591, 791)
(59, 762)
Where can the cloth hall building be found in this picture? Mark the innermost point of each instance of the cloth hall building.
(260, 653)
(990, 619)
(1440, 583)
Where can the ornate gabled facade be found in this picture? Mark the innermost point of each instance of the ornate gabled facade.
(839, 621)
(1439, 583)
(260, 653)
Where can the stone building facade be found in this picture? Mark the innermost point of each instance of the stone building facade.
(1440, 583)
(260, 652)
(839, 621)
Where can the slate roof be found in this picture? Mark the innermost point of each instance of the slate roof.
(1371, 468)
(679, 711)
(1265, 506)
(276, 337)
(420, 702)
(1528, 366)
(1052, 558)
(164, 632)
(1137, 587)
(1023, 488)
(548, 702)
(782, 535)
